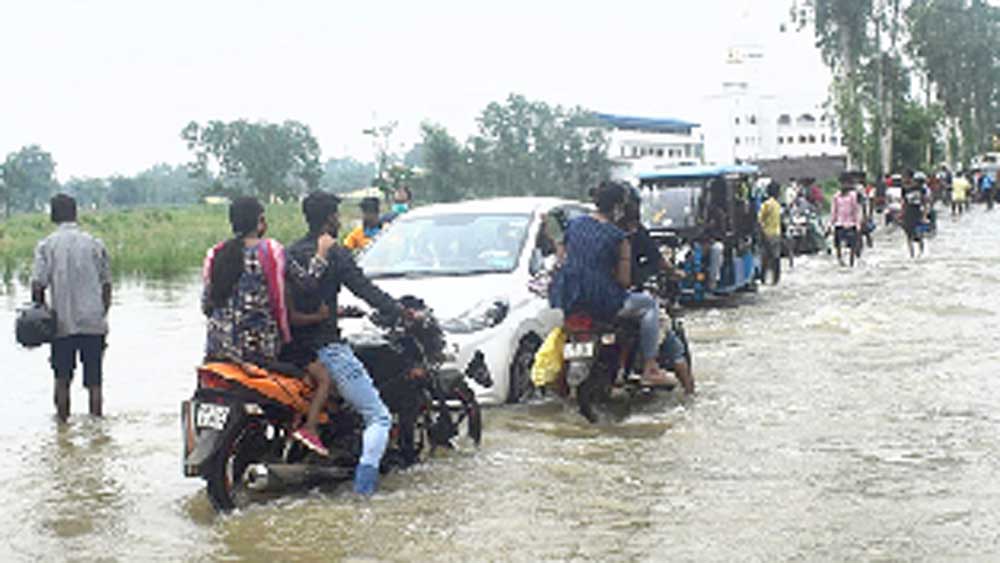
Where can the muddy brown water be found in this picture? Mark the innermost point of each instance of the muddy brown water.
(844, 415)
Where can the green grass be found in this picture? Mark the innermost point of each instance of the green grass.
(156, 243)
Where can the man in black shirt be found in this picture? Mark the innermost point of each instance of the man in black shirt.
(648, 261)
(313, 313)
(914, 211)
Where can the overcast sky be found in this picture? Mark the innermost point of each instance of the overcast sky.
(106, 86)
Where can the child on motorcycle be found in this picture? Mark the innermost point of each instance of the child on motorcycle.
(244, 300)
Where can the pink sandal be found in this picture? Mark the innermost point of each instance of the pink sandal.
(311, 441)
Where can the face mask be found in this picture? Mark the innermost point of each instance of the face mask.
(400, 207)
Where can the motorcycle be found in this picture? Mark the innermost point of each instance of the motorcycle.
(601, 358)
(238, 424)
(804, 232)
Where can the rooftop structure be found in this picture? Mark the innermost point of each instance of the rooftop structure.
(639, 145)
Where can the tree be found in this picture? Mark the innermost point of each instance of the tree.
(171, 185)
(445, 163)
(915, 143)
(261, 159)
(841, 35)
(958, 42)
(346, 174)
(126, 192)
(88, 192)
(393, 177)
(28, 179)
(522, 148)
(953, 44)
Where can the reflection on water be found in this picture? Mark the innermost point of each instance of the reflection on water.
(87, 501)
(846, 414)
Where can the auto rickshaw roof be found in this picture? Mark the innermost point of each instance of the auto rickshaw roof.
(712, 171)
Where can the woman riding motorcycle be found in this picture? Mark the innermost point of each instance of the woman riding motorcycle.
(244, 301)
(597, 273)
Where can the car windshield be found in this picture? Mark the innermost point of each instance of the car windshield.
(670, 208)
(454, 244)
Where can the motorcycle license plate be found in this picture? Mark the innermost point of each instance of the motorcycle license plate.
(578, 350)
(796, 231)
(211, 416)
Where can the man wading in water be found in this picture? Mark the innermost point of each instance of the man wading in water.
(846, 216)
(75, 267)
(914, 202)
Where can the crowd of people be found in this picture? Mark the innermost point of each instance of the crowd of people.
(906, 200)
(264, 303)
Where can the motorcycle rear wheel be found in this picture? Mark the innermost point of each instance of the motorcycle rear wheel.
(223, 475)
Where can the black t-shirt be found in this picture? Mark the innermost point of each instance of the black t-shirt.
(307, 295)
(913, 200)
(645, 256)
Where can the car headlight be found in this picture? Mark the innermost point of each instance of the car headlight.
(486, 314)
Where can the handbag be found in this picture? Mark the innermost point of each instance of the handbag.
(35, 325)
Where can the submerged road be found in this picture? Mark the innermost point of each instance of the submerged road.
(842, 415)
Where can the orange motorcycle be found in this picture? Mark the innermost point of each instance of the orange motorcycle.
(237, 427)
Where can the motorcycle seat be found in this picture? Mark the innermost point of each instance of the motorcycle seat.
(287, 369)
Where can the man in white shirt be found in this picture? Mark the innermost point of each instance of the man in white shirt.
(74, 267)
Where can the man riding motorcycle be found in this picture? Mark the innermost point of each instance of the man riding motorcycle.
(315, 331)
(647, 262)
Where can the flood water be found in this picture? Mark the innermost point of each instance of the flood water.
(843, 415)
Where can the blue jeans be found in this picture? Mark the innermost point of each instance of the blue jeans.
(672, 350)
(356, 387)
(642, 306)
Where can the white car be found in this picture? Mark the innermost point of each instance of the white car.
(472, 264)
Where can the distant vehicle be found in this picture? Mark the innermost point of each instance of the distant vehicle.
(988, 163)
(473, 263)
(677, 206)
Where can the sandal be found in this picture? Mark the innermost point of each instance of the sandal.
(659, 379)
(311, 441)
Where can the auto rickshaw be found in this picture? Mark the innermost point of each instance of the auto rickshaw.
(708, 216)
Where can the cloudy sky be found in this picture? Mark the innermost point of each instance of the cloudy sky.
(107, 85)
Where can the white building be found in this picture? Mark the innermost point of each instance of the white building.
(643, 144)
(768, 107)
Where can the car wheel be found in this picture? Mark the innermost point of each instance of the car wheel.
(519, 384)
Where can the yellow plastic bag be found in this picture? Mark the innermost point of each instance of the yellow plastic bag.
(549, 359)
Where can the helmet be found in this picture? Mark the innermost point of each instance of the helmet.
(35, 325)
(919, 177)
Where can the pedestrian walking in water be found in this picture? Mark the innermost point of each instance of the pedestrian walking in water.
(960, 188)
(914, 211)
(73, 267)
(769, 218)
(986, 183)
(846, 217)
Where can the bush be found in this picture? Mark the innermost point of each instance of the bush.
(156, 243)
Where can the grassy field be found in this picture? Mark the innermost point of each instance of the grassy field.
(151, 243)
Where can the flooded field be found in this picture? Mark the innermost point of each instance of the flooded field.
(843, 415)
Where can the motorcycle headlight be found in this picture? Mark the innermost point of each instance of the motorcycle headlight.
(486, 314)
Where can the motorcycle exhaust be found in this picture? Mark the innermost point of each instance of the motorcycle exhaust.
(268, 477)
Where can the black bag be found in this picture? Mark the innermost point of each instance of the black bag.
(35, 325)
